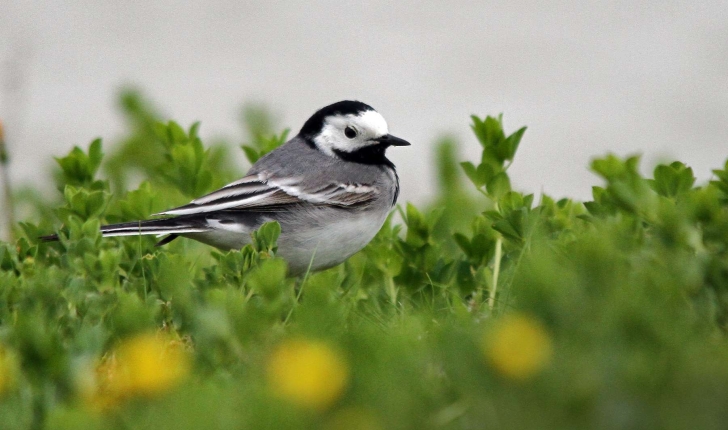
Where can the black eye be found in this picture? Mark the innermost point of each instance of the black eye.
(350, 132)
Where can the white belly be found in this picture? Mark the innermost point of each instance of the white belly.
(305, 239)
(328, 245)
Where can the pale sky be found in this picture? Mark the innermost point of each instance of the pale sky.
(587, 77)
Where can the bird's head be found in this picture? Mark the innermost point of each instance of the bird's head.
(350, 130)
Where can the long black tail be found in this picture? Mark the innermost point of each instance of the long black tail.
(172, 226)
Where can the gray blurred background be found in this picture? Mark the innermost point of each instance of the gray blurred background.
(587, 77)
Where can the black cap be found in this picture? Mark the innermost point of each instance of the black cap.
(346, 107)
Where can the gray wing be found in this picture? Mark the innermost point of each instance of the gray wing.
(264, 191)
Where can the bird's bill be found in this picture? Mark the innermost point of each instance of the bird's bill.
(390, 140)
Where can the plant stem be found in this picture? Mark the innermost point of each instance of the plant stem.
(300, 289)
(9, 214)
(392, 291)
(496, 264)
(496, 271)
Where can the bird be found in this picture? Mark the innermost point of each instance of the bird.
(330, 187)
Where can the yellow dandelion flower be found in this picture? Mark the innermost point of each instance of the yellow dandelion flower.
(307, 373)
(518, 347)
(145, 365)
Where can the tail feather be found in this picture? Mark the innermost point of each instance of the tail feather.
(155, 226)
(166, 240)
(171, 226)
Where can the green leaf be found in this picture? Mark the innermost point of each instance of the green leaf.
(498, 186)
(512, 200)
(493, 216)
(420, 226)
(463, 242)
(513, 225)
(140, 203)
(95, 155)
(194, 130)
(470, 171)
(79, 169)
(251, 154)
(493, 131)
(672, 180)
(268, 277)
(175, 133)
(507, 229)
(265, 238)
(512, 142)
(82, 203)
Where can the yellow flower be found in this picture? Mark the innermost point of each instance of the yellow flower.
(307, 373)
(518, 347)
(144, 365)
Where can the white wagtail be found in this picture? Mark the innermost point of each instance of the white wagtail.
(331, 188)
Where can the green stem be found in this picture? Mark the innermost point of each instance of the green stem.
(496, 264)
(300, 289)
(392, 291)
(496, 271)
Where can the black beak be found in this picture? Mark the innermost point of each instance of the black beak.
(390, 140)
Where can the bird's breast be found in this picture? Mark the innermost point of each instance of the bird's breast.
(326, 244)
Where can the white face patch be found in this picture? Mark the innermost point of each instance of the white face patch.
(368, 125)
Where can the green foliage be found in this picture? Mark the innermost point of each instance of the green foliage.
(497, 150)
(166, 155)
(261, 135)
(672, 180)
(722, 182)
(491, 308)
(79, 168)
